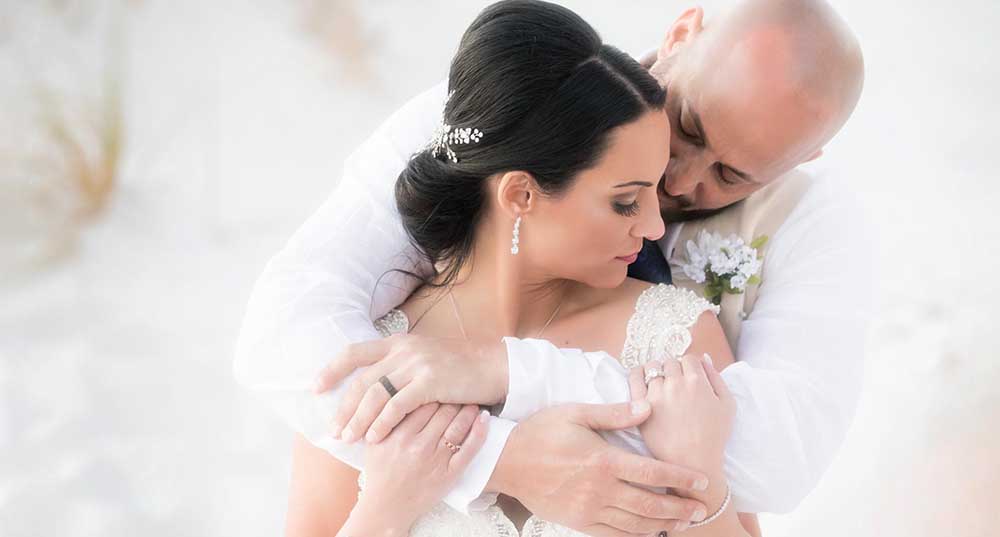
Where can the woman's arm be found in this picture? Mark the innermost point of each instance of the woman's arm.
(322, 492)
(406, 475)
(692, 420)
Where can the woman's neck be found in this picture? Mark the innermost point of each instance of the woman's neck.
(498, 295)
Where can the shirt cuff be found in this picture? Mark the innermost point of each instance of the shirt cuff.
(467, 495)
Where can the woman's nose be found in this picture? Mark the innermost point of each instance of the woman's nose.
(651, 225)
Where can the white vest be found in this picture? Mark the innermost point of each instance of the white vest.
(760, 214)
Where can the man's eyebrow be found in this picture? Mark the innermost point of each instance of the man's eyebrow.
(704, 140)
(697, 125)
(634, 183)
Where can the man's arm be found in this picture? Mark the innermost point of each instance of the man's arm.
(800, 358)
(322, 290)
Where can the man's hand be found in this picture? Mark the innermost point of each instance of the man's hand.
(560, 469)
(422, 369)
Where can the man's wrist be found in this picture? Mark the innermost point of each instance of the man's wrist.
(494, 356)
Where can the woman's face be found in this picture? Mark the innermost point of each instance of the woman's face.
(593, 230)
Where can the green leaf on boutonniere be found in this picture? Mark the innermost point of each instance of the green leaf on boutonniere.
(758, 242)
(753, 280)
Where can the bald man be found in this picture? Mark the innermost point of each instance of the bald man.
(750, 96)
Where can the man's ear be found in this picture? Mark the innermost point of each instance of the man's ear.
(814, 156)
(684, 29)
(516, 193)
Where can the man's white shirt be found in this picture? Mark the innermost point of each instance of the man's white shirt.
(800, 353)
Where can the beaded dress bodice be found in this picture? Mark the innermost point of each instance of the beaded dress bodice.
(659, 329)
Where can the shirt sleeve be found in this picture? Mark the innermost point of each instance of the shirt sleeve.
(800, 359)
(337, 273)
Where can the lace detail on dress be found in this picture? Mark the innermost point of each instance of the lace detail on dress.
(394, 322)
(660, 327)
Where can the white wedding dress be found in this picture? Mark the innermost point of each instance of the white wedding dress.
(659, 329)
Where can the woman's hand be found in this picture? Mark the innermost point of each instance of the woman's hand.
(692, 414)
(422, 369)
(410, 471)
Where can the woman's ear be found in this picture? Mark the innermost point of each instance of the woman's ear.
(684, 29)
(517, 193)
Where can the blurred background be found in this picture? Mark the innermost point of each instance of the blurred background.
(154, 154)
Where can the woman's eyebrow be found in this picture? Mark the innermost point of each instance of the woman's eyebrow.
(634, 183)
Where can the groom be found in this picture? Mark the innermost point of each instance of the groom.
(751, 96)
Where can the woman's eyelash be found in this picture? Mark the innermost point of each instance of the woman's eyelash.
(630, 209)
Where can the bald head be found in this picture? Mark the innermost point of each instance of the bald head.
(752, 94)
(800, 49)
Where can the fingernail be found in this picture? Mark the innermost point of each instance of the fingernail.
(639, 407)
(484, 416)
(701, 484)
(682, 525)
(370, 436)
(347, 435)
(335, 430)
(708, 359)
(699, 515)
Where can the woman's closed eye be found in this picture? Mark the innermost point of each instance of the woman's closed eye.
(626, 208)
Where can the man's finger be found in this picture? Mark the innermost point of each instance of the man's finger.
(603, 530)
(610, 417)
(352, 357)
(405, 401)
(636, 383)
(651, 472)
(371, 404)
(634, 524)
(666, 509)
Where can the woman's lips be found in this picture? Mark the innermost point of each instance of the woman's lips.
(629, 259)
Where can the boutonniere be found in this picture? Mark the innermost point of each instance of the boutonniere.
(724, 265)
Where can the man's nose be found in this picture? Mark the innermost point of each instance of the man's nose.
(680, 182)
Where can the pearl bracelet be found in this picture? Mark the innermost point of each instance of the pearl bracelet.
(717, 514)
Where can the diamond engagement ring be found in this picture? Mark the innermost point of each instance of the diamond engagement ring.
(652, 373)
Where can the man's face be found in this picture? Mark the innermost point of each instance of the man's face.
(735, 126)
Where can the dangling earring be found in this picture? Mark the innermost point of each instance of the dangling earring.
(515, 239)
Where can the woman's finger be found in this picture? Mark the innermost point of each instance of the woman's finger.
(439, 422)
(655, 386)
(715, 378)
(459, 427)
(415, 421)
(637, 383)
(472, 443)
(672, 368)
(692, 367)
(408, 399)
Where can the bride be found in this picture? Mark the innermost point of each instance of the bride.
(531, 201)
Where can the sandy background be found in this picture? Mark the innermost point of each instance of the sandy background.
(154, 154)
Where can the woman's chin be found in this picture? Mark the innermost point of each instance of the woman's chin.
(607, 278)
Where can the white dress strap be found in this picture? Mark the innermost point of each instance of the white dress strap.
(660, 328)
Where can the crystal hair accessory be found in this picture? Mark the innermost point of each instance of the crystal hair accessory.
(445, 136)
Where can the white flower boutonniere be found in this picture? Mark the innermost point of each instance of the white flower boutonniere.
(724, 265)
